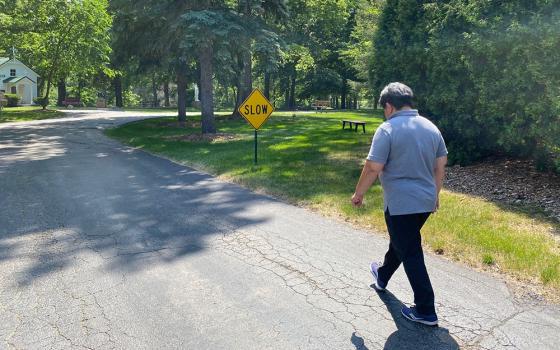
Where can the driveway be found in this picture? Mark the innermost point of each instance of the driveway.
(106, 247)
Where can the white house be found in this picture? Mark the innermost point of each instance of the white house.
(17, 78)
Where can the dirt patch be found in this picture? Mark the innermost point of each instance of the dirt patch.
(199, 137)
(508, 181)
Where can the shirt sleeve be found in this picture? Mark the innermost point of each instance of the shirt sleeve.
(380, 146)
(441, 150)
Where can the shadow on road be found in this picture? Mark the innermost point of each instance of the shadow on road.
(358, 342)
(63, 194)
(411, 335)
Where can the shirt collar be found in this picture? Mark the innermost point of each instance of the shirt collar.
(406, 113)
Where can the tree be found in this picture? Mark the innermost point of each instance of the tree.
(146, 48)
(59, 37)
(207, 27)
(487, 72)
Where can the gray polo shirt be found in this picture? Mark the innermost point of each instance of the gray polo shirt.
(408, 144)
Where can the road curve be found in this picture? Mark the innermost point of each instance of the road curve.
(107, 247)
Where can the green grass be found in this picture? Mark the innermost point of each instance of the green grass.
(19, 114)
(190, 110)
(308, 160)
(157, 110)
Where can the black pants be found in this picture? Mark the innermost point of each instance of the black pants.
(406, 246)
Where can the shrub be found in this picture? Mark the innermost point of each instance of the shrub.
(130, 98)
(41, 101)
(13, 100)
(487, 74)
(88, 97)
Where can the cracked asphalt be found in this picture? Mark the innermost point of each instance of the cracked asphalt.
(107, 247)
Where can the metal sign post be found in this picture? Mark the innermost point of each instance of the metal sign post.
(255, 146)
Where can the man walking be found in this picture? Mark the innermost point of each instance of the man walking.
(408, 154)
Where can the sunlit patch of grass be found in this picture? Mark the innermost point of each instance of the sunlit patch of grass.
(309, 160)
(27, 113)
(550, 274)
(488, 259)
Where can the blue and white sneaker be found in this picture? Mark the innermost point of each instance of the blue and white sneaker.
(377, 284)
(411, 314)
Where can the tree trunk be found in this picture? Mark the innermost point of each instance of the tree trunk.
(235, 95)
(117, 84)
(80, 86)
(182, 92)
(40, 86)
(238, 99)
(247, 73)
(48, 91)
(344, 96)
(267, 82)
(336, 102)
(154, 92)
(287, 96)
(247, 58)
(206, 89)
(226, 95)
(292, 104)
(166, 93)
(245, 80)
(61, 92)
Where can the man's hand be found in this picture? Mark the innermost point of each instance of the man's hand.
(439, 175)
(357, 200)
(370, 172)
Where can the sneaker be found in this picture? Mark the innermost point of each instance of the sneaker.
(377, 284)
(411, 314)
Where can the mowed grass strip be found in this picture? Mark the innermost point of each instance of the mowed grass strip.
(307, 159)
(20, 114)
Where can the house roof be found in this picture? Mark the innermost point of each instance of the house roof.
(14, 80)
(4, 60)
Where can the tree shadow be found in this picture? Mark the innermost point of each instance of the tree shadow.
(62, 197)
(411, 335)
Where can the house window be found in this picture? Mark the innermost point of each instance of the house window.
(12, 72)
(14, 91)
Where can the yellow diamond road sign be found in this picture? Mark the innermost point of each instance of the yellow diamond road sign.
(256, 109)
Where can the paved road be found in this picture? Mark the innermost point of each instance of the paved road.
(103, 246)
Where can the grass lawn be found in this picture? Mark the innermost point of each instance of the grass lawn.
(173, 110)
(20, 114)
(156, 110)
(309, 160)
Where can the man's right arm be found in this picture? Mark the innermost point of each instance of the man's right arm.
(439, 175)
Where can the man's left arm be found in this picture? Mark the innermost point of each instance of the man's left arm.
(370, 173)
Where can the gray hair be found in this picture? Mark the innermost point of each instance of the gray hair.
(397, 94)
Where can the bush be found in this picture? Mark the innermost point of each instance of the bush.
(88, 97)
(130, 99)
(487, 74)
(13, 100)
(41, 101)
